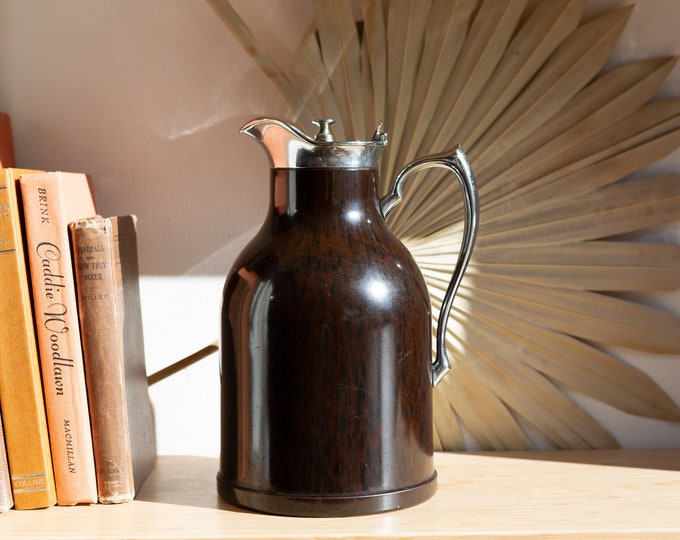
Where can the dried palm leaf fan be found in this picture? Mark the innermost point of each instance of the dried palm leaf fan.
(553, 140)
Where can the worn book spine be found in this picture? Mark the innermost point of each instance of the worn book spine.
(101, 324)
(21, 393)
(107, 282)
(6, 501)
(51, 201)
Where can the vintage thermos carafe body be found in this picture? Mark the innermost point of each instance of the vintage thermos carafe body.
(326, 344)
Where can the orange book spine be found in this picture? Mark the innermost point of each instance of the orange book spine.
(101, 325)
(51, 201)
(21, 393)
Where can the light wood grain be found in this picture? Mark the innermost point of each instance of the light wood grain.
(596, 493)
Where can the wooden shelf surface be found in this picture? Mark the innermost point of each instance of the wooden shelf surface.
(599, 494)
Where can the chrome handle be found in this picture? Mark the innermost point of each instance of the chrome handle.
(457, 163)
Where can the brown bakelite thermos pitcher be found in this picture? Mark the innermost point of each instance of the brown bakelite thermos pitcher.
(326, 358)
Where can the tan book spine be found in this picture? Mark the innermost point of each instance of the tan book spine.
(21, 393)
(51, 201)
(99, 290)
(6, 501)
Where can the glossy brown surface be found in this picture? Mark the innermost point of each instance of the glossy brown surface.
(326, 346)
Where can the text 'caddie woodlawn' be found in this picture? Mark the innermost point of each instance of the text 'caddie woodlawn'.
(56, 315)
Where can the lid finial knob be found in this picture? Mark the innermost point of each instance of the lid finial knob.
(324, 134)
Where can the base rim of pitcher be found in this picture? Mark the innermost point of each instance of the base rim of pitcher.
(291, 504)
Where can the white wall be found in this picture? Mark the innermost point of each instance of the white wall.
(147, 97)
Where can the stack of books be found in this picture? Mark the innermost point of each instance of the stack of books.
(77, 423)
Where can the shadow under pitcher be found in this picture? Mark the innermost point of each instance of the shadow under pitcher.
(326, 359)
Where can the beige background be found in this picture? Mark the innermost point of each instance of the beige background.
(147, 96)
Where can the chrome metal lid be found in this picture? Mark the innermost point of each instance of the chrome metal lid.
(288, 147)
